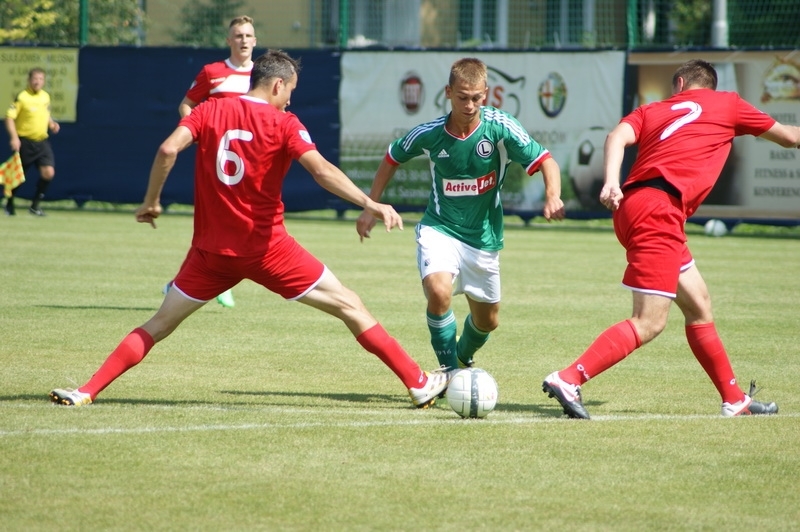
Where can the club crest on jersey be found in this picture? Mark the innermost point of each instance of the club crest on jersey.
(470, 187)
(485, 148)
(305, 136)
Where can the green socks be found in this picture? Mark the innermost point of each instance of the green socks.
(443, 338)
(451, 351)
(471, 340)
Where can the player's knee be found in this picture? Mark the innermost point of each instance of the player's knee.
(486, 324)
(439, 297)
(350, 302)
(648, 330)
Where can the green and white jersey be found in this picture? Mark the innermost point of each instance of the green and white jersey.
(468, 173)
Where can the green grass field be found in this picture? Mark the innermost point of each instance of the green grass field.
(269, 416)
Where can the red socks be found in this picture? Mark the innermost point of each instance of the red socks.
(378, 342)
(614, 344)
(709, 351)
(617, 342)
(128, 353)
(138, 343)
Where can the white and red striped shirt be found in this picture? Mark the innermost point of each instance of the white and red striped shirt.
(220, 79)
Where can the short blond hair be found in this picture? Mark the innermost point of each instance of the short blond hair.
(470, 70)
(238, 21)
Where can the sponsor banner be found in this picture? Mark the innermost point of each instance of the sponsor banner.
(761, 180)
(567, 101)
(61, 82)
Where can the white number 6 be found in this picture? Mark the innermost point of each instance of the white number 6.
(225, 155)
(691, 116)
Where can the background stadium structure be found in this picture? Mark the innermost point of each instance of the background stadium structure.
(449, 24)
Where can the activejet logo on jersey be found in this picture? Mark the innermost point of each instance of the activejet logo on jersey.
(469, 187)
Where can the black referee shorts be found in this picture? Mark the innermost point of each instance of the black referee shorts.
(36, 152)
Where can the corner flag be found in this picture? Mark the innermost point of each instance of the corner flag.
(12, 174)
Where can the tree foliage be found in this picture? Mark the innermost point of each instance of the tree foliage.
(692, 22)
(205, 24)
(51, 22)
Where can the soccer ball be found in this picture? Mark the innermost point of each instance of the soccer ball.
(586, 166)
(716, 228)
(472, 393)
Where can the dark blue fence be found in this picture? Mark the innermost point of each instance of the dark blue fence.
(128, 104)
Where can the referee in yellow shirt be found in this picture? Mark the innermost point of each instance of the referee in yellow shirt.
(29, 123)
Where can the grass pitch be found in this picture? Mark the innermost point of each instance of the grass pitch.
(269, 416)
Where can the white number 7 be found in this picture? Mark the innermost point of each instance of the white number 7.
(691, 116)
(225, 155)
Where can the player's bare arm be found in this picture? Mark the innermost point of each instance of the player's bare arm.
(150, 209)
(186, 106)
(383, 175)
(613, 153)
(335, 181)
(553, 204)
(783, 135)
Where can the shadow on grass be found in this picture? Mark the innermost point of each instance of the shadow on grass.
(94, 307)
(548, 410)
(43, 397)
(378, 400)
(554, 410)
(319, 400)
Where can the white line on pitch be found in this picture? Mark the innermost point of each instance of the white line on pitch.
(492, 420)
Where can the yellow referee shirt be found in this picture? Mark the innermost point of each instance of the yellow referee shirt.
(31, 114)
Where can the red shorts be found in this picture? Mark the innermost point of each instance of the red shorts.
(650, 225)
(287, 269)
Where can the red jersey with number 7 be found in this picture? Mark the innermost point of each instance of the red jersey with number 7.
(687, 138)
(244, 149)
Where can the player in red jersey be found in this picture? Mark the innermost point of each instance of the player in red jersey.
(230, 77)
(245, 147)
(683, 144)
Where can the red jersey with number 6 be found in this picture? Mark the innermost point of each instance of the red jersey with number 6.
(687, 138)
(219, 79)
(238, 199)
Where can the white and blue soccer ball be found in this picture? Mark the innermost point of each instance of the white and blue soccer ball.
(472, 393)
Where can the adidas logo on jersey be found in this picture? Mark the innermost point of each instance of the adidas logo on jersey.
(443, 154)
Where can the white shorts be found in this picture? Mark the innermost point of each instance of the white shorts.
(476, 273)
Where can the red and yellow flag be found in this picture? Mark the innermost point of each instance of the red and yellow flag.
(12, 174)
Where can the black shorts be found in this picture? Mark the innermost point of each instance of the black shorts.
(36, 152)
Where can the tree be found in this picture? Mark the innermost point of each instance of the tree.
(692, 22)
(47, 22)
(204, 25)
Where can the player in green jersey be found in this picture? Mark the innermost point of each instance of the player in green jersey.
(461, 233)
